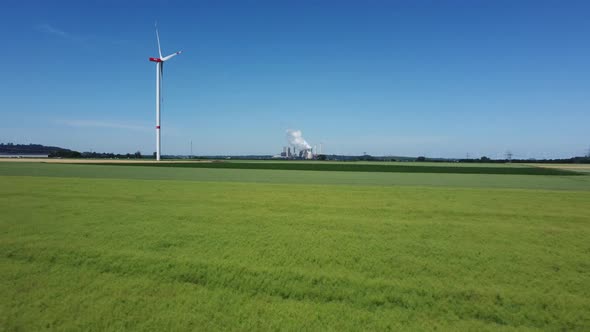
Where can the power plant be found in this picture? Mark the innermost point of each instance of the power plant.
(298, 148)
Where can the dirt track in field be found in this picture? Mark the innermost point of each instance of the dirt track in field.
(568, 167)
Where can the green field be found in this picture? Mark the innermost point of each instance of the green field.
(91, 247)
(365, 167)
(299, 177)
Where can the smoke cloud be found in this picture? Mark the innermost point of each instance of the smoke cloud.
(295, 138)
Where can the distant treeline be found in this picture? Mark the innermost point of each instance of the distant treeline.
(573, 160)
(104, 155)
(94, 155)
(10, 148)
(57, 152)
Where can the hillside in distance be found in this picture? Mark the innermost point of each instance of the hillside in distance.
(10, 148)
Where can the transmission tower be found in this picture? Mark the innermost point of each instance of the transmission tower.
(509, 156)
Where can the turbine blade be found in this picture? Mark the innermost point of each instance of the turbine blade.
(171, 56)
(158, 37)
(161, 82)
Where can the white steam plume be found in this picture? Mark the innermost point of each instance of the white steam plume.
(295, 139)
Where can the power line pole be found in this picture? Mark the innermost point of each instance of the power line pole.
(509, 156)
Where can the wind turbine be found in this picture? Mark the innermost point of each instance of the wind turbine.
(159, 75)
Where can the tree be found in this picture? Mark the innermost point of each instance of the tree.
(421, 158)
(65, 154)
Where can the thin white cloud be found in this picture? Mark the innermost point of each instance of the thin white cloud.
(53, 31)
(86, 40)
(49, 29)
(103, 124)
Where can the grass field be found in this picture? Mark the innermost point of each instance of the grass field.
(90, 247)
(299, 177)
(365, 167)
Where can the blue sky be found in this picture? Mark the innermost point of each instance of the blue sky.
(434, 78)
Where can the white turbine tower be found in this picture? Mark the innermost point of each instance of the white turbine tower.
(159, 74)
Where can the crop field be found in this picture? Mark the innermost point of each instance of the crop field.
(102, 247)
(366, 167)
